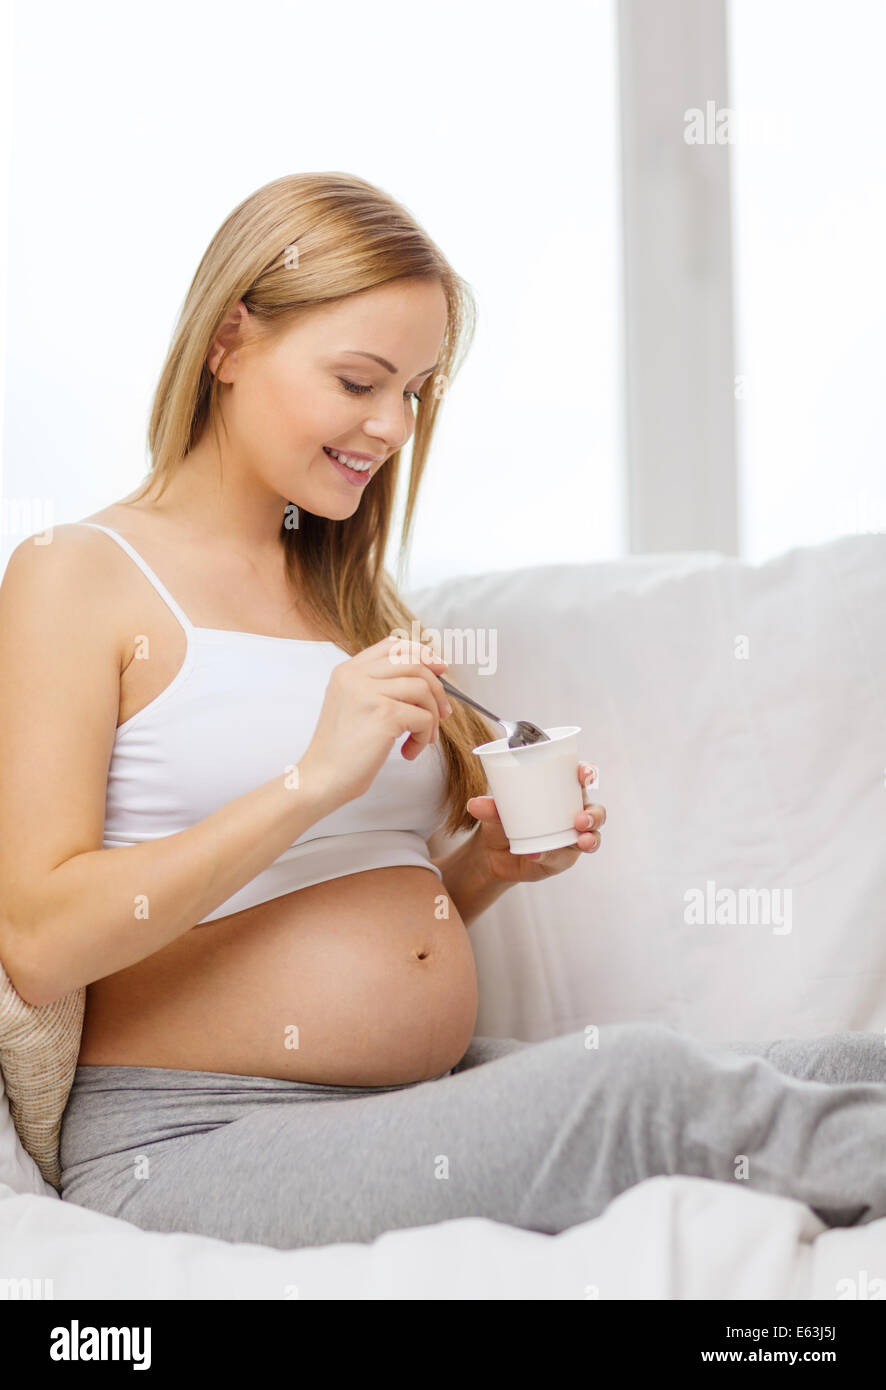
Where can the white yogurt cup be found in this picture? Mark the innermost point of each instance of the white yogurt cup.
(536, 789)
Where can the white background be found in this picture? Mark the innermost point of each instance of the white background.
(128, 136)
(136, 131)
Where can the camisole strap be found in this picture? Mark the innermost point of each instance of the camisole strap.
(147, 572)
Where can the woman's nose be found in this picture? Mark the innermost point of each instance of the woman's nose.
(390, 437)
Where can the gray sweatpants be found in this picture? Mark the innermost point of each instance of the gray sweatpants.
(538, 1135)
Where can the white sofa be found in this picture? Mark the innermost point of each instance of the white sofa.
(737, 715)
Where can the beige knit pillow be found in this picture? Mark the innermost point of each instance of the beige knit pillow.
(39, 1046)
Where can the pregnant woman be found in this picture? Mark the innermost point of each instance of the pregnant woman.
(221, 770)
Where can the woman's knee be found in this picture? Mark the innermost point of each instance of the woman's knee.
(632, 1058)
(647, 1055)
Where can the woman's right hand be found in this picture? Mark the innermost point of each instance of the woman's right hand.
(371, 700)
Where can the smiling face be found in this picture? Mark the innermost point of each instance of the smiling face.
(316, 384)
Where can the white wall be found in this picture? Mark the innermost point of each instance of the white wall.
(136, 131)
(131, 134)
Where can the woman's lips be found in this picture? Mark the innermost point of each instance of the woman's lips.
(355, 478)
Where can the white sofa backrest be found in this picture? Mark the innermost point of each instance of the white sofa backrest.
(737, 714)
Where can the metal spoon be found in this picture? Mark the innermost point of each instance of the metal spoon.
(519, 734)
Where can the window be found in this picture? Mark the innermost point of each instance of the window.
(809, 228)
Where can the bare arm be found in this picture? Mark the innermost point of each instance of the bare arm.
(70, 911)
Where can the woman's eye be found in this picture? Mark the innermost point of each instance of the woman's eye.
(356, 390)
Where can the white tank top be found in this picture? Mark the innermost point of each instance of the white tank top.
(243, 707)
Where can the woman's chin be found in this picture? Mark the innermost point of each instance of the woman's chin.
(327, 504)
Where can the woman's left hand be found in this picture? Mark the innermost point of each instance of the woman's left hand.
(494, 848)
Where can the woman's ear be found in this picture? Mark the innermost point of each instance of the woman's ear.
(228, 338)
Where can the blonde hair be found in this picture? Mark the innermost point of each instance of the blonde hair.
(345, 235)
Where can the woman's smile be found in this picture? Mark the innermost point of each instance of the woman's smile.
(352, 475)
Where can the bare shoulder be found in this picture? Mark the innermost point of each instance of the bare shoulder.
(64, 550)
(59, 551)
(64, 570)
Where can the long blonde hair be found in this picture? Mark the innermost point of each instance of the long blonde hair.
(345, 235)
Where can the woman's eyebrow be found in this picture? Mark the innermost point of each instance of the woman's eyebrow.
(383, 361)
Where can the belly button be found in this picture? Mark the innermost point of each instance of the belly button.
(422, 954)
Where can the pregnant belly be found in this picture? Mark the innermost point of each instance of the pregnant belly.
(363, 980)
